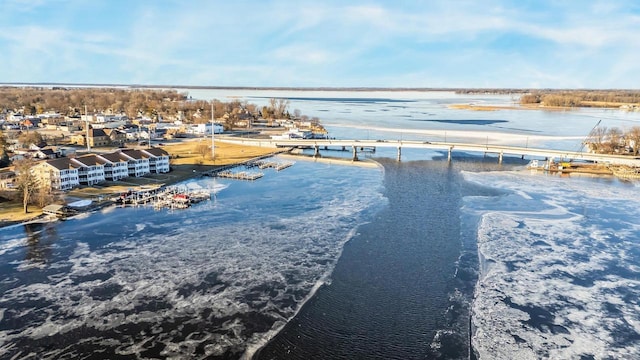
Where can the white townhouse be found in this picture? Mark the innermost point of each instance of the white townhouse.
(158, 160)
(90, 169)
(115, 166)
(59, 174)
(137, 162)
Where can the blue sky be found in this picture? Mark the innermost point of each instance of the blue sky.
(435, 43)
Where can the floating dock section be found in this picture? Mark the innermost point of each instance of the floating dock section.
(263, 164)
(242, 172)
(239, 175)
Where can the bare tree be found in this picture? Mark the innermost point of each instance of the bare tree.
(614, 137)
(25, 181)
(31, 137)
(282, 107)
(43, 196)
(596, 137)
(279, 107)
(203, 149)
(633, 137)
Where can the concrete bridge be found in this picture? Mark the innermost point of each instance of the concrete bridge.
(501, 150)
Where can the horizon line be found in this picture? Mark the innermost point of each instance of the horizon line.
(309, 88)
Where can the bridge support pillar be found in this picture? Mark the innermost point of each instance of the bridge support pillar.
(449, 154)
(500, 158)
(399, 153)
(316, 151)
(355, 153)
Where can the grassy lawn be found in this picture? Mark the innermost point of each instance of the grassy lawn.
(11, 211)
(188, 153)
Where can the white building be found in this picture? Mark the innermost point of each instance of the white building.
(115, 166)
(294, 134)
(158, 160)
(205, 129)
(137, 162)
(90, 169)
(60, 174)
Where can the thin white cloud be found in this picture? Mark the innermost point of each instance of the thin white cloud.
(304, 54)
(327, 43)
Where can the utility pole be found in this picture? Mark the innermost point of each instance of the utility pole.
(213, 131)
(86, 119)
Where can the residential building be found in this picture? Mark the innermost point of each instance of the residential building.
(90, 169)
(7, 179)
(205, 129)
(97, 137)
(137, 162)
(158, 160)
(60, 174)
(67, 173)
(44, 154)
(115, 166)
(116, 137)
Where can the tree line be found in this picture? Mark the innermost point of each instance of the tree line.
(152, 103)
(581, 98)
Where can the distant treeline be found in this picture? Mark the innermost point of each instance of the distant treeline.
(152, 103)
(72, 101)
(582, 98)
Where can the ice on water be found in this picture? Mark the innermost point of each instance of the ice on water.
(559, 268)
(233, 274)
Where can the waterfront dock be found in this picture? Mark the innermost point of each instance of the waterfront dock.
(173, 197)
(239, 175)
(262, 164)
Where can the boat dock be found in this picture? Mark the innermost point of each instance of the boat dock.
(239, 175)
(232, 172)
(263, 164)
(172, 197)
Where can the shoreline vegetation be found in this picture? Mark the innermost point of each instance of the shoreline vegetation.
(560, 100)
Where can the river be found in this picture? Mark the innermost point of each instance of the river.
(417, 259)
